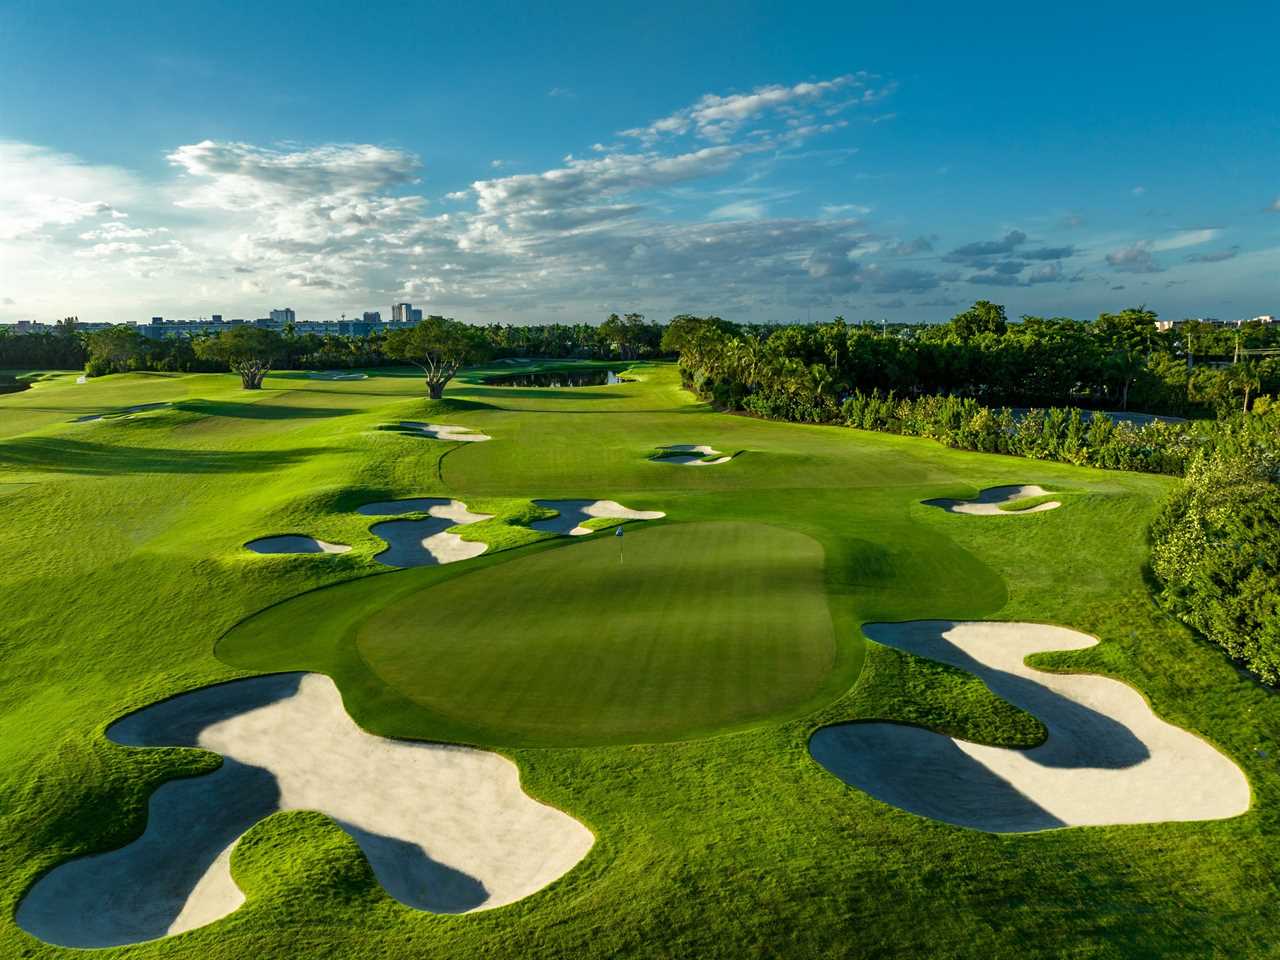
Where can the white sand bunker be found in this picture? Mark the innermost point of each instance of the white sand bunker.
(294, 543)
(420, 543)
(121, 414)
(692, 455)
(1107, 760)
(337, 375)
(442, 431)
(573, 513)
(446, 829)
(988, 502)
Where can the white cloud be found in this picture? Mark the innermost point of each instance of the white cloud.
(844, 210)
(718, 118)
(42, 189)
(1134, 259)
(739, 210)
(1186, 238)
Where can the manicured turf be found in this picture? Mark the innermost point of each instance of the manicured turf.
(125, 568)
(701, 626)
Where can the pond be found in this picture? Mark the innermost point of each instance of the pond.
(557, 378)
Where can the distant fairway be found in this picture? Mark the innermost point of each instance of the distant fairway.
(703, 626)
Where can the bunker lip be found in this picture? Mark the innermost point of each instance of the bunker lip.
(424, 542)
(294, 543)
(1108, 758)
(442, 431)
(572, 514)
(122, 413)
(337, 375)
(691, 455)
(446, 829)
(988, 502)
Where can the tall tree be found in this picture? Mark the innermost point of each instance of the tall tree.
(249, 351)
(114, 349)
(983, 317)
(440, 346)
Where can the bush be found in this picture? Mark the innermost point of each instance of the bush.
(1216, 552)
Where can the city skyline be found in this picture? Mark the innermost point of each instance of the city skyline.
(881, 174)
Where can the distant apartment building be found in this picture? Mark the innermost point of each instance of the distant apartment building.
(283, 316)
(402, 312)
(371, 316)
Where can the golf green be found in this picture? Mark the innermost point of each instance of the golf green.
(661, 634)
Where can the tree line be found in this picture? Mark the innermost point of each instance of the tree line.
(123, 348)
(1120, 361)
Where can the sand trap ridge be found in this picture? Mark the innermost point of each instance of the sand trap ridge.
(573, 513)
(121, 414)
(1108, 758)
(294, 543)
(987, 503)
(691, 455)
(418, 543)
(446, 829)
(442, 431)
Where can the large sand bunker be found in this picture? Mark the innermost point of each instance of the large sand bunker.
(691, 455)
(442, 431)
(1108, 758)
(446, 829)
(294, 543)
(419, 543)
(123, 413)
(988, 502)
(574, 513)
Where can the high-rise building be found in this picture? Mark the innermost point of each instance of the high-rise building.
(285, 315)
(372, 316)
(400, 312)
(216, 318)
(415, 315)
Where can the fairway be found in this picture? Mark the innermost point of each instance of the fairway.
(666, 703)
(701, 626)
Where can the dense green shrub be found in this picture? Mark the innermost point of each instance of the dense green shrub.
(1066, 435)
(1216, 552)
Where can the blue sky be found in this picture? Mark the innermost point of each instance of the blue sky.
(764, 162)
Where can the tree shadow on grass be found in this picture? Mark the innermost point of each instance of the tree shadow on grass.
(264, 410)
(60, 455)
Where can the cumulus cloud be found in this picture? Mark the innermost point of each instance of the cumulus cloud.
(42, 189)
(1134, 259)
(1275, 206)
(984, 249)
(909, 248)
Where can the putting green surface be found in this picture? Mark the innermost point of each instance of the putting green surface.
(701, 626)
